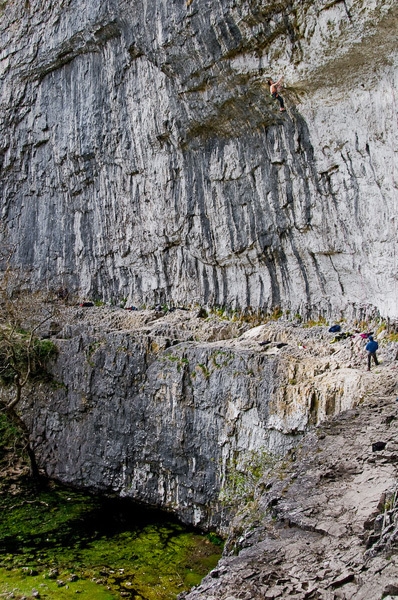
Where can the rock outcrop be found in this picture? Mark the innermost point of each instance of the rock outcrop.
(143, 158)
(167, 408)
(325, 524)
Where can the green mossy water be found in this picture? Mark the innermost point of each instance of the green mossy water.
(57, 543)
(62, 542)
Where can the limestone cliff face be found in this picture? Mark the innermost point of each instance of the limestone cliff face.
(142, 157)
(165, 408)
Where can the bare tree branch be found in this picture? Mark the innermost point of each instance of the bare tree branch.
(24, 354)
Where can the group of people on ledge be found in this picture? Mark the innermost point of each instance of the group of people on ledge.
(371, 346)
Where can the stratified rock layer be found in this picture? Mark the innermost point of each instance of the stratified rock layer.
(166, 408)
(142, 157)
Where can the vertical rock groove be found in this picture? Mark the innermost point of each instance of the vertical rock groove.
(143, 158)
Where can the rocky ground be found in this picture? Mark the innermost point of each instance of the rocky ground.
(324, 523)
(318, 373)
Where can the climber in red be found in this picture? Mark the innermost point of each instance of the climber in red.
(274, 87)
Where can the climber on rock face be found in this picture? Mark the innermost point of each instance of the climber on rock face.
(274, 87)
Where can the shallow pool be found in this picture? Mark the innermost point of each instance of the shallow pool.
(59, 544)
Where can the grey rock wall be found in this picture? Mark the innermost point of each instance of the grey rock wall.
(168, 409)
(160, 426)
(141, 155)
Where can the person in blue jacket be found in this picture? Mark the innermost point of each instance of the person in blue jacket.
(371, 347)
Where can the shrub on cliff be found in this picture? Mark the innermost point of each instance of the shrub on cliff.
(24, 354)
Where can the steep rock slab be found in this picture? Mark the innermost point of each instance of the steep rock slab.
(142, 156)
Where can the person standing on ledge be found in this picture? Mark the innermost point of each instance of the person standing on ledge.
(274, 87)
(371, 347)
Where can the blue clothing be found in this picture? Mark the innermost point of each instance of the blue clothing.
(372, 346)
(334, 328)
